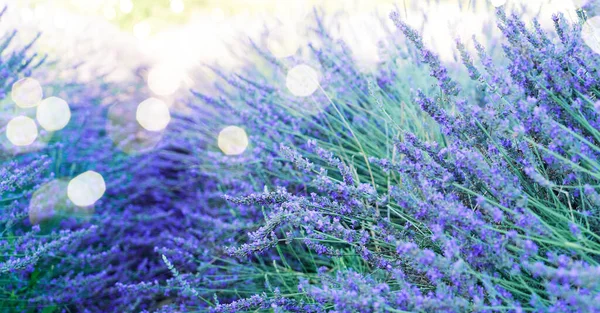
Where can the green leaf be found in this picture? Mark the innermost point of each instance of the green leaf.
(49, 309)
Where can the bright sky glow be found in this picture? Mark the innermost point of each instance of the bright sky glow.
(177, 6)
(126, 6)
(283, 41)
(142, 30)
(109, 13)
(590, 33)
(498, 3)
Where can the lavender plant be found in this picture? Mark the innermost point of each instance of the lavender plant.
(369, 207)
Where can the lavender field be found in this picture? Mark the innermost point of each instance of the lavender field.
(300, 156)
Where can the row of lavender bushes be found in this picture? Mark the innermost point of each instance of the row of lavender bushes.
(378, 193)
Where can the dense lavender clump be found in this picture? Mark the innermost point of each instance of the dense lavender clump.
(365, 210)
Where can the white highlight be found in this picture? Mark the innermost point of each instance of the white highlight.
(53, 114)
(142, 30)
(590, 33)
(126, 6)
(283, 41)
(86, 188)
(580, 3)
(164, 80)
(217, 14)
(232, 140)
(302, 80)
(153, 114)
(498, 3)
(27, 93)
(110, 13)
(21, 131)
(177, 6)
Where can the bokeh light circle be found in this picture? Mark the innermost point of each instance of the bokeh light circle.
(232, 140)
(126, 132)
(53, 114)
(86, 188)
(27, 93)
(302, 80)
(21, 131)
(153, 114)
(47, 201)
(164, 80)
(590, 33)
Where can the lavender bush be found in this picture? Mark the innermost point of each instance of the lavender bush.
(483, 200)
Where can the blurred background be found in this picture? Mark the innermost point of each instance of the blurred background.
(166, 42)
